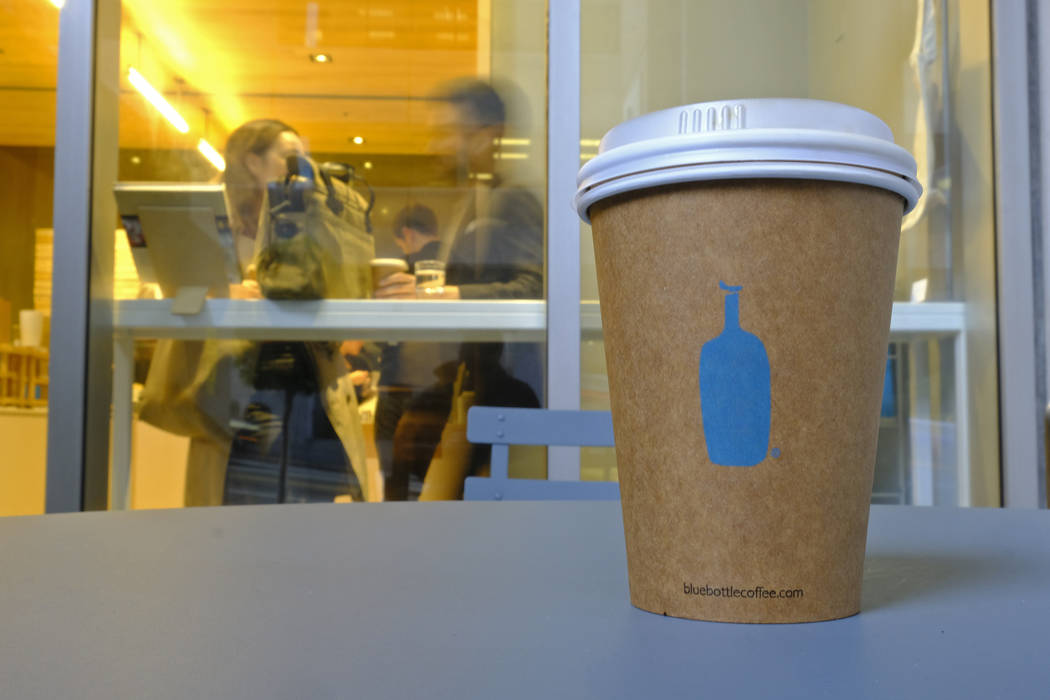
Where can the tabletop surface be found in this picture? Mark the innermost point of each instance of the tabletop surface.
(491, 600)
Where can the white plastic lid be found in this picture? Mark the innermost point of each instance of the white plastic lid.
(742, 139)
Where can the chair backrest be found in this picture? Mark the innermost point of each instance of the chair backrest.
(502, 427)
(1046, 443)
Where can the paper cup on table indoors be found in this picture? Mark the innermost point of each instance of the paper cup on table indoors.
(383, 267)
(746, 253)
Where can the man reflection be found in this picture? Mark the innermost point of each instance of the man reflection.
(493, 250)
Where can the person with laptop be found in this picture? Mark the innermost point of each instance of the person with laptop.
(256, 153)
(268, 421)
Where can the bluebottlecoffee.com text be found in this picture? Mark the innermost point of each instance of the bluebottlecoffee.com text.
(759, 592)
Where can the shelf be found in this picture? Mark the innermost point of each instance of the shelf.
(508, 321)
(332, 319)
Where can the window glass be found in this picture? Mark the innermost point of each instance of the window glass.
(923, 67)
(28, 74)
(326, 209)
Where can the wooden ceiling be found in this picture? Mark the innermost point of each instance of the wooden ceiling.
(222, 63)
(28, 64)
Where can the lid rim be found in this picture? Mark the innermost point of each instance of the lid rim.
(906, 187)
(788, 139)
(769, 140)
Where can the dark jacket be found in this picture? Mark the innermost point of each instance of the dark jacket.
(498, 252)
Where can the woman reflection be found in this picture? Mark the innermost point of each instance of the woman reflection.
(256, 153)
(299, 436)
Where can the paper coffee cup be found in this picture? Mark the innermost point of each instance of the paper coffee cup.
(31, 327)
(746, 254)
(381, 267)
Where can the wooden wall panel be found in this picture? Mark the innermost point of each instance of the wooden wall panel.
(26, 192)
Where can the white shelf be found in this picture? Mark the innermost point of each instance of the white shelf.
(337, 320)
(420, 320)
(933, 318)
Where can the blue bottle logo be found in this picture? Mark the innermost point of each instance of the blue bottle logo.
(735, 392)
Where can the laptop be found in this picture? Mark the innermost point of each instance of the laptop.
(180, 236)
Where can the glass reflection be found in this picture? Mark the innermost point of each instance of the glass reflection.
(398, 146)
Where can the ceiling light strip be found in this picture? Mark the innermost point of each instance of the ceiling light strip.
(157, 100)
(213, 156)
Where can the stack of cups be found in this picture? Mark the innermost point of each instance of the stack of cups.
(31, 328)
(746, 253)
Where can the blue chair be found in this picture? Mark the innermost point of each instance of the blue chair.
(503, 427)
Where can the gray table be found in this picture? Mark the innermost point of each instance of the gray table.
(490, 600)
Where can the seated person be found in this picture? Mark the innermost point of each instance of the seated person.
(407, 369)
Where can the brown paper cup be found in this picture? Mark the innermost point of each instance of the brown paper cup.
(746, 325)
(382, 267)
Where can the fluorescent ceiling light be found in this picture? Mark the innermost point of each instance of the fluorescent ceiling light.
(157, 100)
(213, 156)
(590, 142)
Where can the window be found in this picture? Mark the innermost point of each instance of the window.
(28, 64)
(416, 133)
(923, 68)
